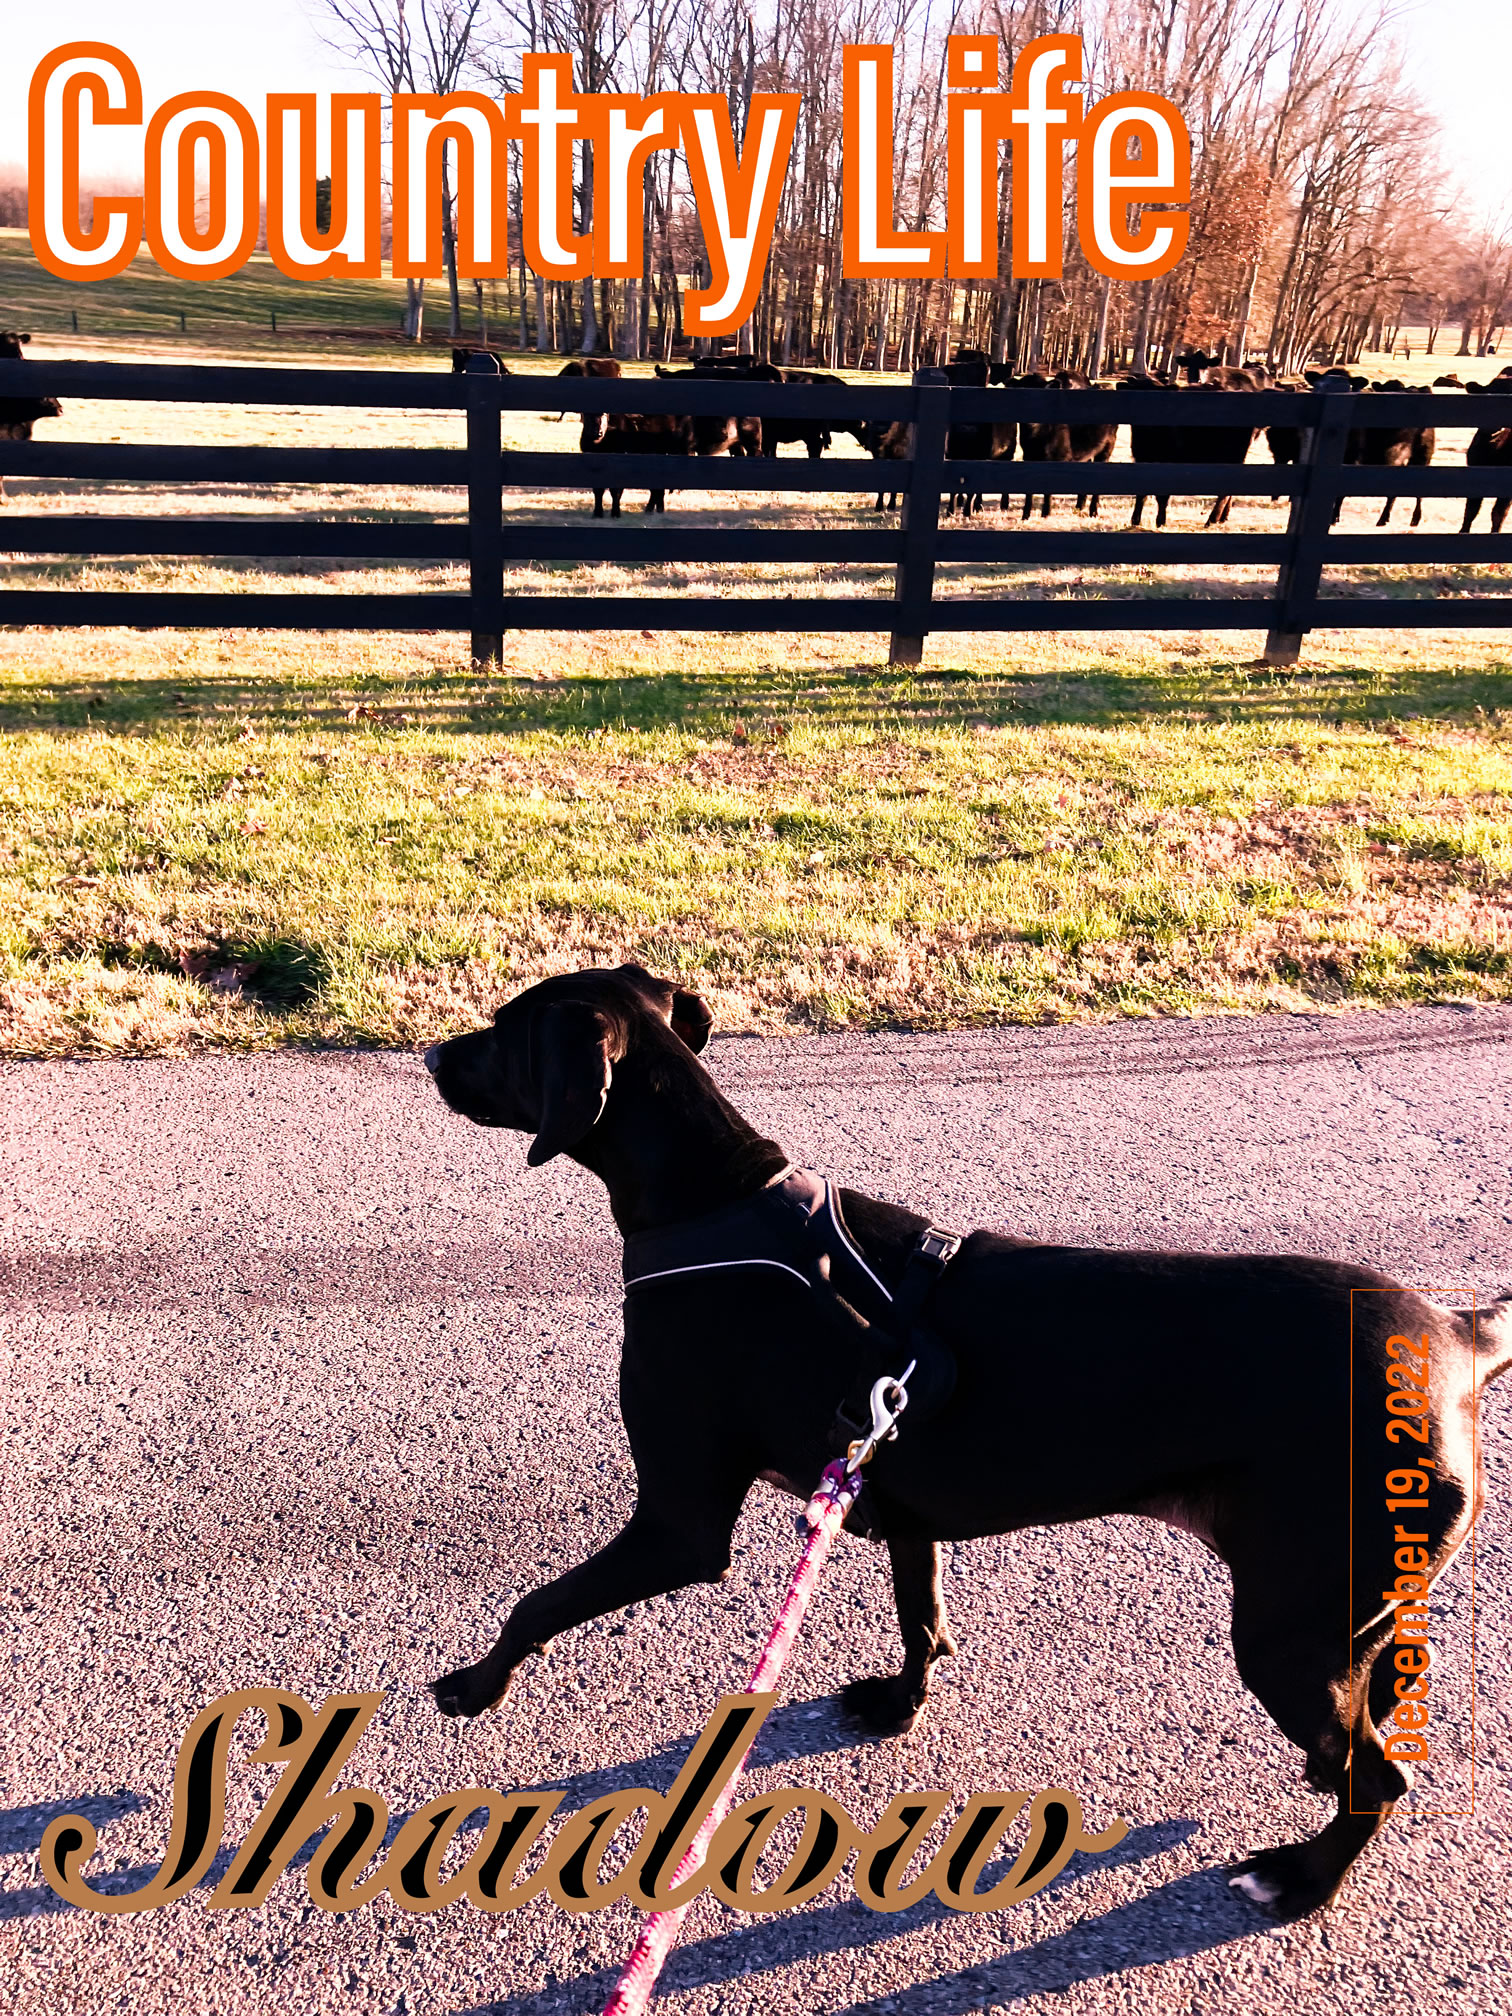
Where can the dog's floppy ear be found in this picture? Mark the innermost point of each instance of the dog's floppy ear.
(691, 1019)
(575, 1045)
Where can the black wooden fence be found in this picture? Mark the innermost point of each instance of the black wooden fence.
(1301, 553)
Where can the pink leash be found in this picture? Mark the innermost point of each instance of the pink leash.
(838, 1490)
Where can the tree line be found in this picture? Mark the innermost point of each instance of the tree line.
(1324, 218)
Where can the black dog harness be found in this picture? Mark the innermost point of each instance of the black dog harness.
(795, 1225)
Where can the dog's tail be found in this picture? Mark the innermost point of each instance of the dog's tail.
(1493, 1338)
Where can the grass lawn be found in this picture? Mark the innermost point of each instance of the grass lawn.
(236, 839)
(213, 839)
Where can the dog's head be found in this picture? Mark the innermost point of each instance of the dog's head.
(546, 1065)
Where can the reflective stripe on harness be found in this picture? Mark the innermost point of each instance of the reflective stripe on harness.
(795, 1225)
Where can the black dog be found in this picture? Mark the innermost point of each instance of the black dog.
(1210, 1392)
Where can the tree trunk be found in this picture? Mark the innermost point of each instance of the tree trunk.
(449, 244)
(1239, 342)
(629, 329)
(1142, 332)
(1100, 337)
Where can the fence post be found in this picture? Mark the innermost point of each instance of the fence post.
(1307, 527)
(913, 588)
(485, 512)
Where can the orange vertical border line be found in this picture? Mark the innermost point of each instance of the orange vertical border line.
(1417, 1812)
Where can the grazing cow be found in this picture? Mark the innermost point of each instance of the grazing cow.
(1389, 448)
(975, 440)
(725, 433)
(1058, 440)
(1178, 441)
(887, 441)
(1490, 449)
(1286, 444)
(588, 367)
(814, 434)
(750, 428)
(1364, 447)
(17, 415)
(633, 434)
(1196, 367)
(460, 359)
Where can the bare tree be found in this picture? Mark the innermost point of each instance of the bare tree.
(1318, 203)
(410, 45)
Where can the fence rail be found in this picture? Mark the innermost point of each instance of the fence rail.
(1301, 553)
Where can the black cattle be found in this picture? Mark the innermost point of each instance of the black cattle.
(634, 434)
(18, 415)
(726, 433)
(975, 440)
(1364, 447)
(460, 359)
(1286, 443)
(887, 441)
(1058, 440)
(814, 434)
(966, 441)
(1197, 367)
(1490, 449)
(1389, 448)
(590, 367)
(1176, 441)
(1151, 443)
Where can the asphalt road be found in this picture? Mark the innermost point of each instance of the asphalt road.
(304, 1377)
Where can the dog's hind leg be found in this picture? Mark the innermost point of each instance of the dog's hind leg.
(891, 1703)
(1300, 1677)
(653, 1555)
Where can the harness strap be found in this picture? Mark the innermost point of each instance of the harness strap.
(795, 1225)
(931, 1254)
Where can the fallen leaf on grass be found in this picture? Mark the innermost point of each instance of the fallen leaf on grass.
(363, 712)
(253, 826)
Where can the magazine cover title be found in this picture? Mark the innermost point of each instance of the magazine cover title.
(203, 175)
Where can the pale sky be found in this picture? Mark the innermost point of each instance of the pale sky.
(1460, 50)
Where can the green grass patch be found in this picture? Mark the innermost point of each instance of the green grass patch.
(268, 840)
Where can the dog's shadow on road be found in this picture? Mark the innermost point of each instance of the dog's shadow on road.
(1188, 1915)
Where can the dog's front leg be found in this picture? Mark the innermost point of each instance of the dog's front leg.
(652, 1556)
(891, 1703)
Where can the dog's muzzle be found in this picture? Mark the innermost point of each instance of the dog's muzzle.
(433, 1059)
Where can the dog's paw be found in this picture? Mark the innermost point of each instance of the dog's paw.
(1284, 1882)
(881, 1705)
(468, 1691)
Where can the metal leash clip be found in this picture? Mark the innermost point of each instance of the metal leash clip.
(885, 1410)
